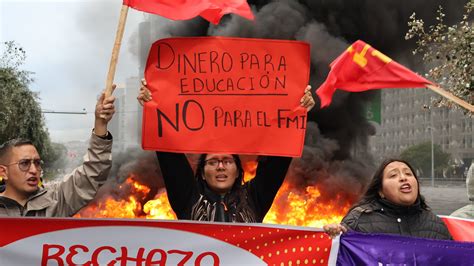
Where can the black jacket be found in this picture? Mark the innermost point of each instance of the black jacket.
(381, 216)
(248, 203)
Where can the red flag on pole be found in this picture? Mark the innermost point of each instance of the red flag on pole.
(362, 68)
(211, 10)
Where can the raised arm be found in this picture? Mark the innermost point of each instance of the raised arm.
(178, 175)
(181, 186)
(271, 172)
(78, 188)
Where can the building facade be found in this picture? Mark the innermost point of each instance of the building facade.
(126, 124)
(407, 118)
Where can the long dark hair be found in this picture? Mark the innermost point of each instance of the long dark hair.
(202, 162)
(375, 185)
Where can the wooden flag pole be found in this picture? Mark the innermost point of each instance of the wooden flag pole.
(451, 97)
(116, 50)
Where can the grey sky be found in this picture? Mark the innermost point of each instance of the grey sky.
(68, 45)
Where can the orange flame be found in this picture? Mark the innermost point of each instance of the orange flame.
(250, 170)
(291, 205)
(159, 208)
(303, 208)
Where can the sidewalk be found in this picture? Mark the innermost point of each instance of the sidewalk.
(443, 200)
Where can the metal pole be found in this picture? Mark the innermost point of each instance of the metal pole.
(63, 112)
(432, 148)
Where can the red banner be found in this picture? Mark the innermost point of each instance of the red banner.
(34, 241)
(226, 95)
(90, 242)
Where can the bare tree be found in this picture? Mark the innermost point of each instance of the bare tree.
(448, 52)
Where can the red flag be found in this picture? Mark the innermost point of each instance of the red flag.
(362, 68)
(211, 10)
(461, 229)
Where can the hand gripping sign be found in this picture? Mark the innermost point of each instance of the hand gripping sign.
(226, 95)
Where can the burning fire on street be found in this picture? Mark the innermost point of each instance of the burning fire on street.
(292, 205)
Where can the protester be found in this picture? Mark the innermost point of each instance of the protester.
(217, 192)
(393, 205)
(21, 170)
(468, 210)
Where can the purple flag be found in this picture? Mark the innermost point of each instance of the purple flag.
(393, 250)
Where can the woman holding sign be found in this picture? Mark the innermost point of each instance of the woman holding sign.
(216, 192)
